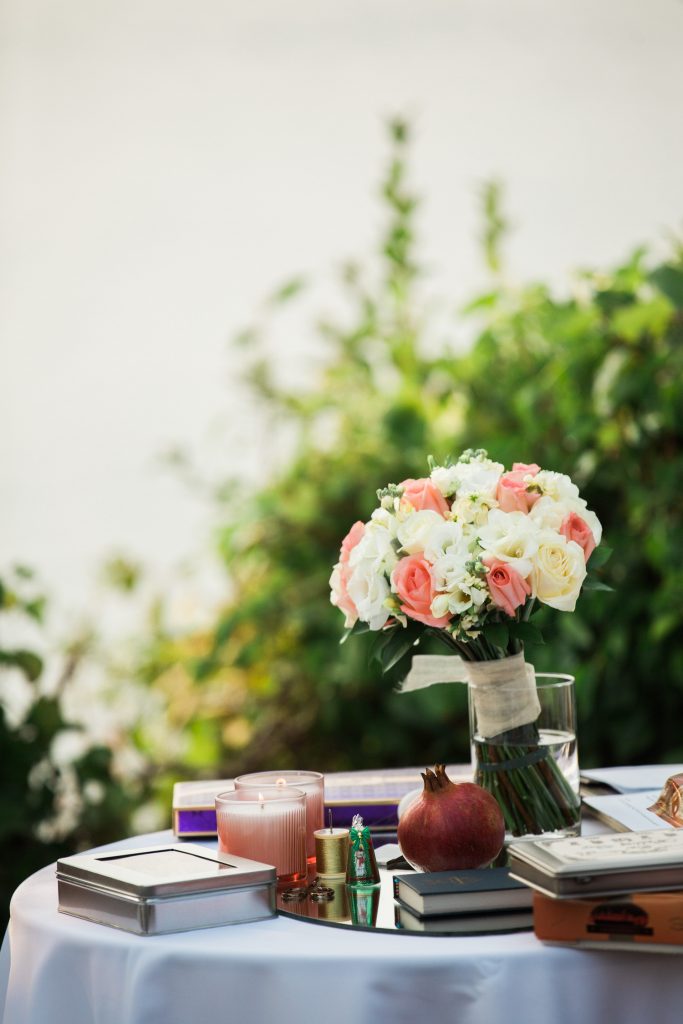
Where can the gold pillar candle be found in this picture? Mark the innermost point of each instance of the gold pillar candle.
(331, 850)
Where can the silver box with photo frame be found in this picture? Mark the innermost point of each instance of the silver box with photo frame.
(170, 888)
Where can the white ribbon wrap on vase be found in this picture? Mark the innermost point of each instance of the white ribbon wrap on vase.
(504, 690)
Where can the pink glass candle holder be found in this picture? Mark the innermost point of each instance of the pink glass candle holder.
(312, 784)
(266, 824)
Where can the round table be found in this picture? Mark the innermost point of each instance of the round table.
(56, 969)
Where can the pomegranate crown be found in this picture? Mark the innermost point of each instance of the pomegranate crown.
(436, 780)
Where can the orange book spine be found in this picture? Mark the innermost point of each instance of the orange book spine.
(650, 917)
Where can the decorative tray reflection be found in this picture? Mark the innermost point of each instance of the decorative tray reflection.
(330, 901)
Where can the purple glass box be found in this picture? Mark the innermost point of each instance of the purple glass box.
(375, 794)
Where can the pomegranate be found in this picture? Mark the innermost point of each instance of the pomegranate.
(451, 826)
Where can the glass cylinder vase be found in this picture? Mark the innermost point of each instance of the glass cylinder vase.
(533, 769)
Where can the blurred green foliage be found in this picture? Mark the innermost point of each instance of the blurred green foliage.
(589, 383)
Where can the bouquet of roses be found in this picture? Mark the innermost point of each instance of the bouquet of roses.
(467, 555)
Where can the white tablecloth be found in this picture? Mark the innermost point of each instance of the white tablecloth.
(56, 969)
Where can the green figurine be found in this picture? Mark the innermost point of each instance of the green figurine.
(362, 867)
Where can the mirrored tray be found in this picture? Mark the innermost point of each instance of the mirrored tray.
(330, 901)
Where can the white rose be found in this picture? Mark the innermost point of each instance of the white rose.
(511, 537)
(559, 572)
(414, 532)
(369, 589)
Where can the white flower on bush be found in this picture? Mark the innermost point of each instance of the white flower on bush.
(511, 537)
(559, 571)
(414, 532)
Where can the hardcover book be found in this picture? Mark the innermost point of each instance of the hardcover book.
(428, 894)
(600, 865)
(465, 924)
(644, 920)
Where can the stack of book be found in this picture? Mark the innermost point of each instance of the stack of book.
(614, 891)
(462, 902)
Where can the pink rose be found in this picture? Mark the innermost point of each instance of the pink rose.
(575, 528)
(413, 581)
(340, 577)
(508, 589)
(423, 494)
(512, 495)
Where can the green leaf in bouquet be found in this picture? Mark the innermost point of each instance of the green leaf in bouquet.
(591, 583)
(497, 633)
(527, 632)
(356, 629)
(380, 642)
(600, 556)
(400, 642)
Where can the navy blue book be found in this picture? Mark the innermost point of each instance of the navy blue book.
(431, 893)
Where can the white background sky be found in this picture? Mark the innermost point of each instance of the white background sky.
(164, 164)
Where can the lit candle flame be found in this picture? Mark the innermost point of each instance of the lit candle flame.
(261, 801)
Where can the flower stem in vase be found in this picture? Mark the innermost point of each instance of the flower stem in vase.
(532, 791)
